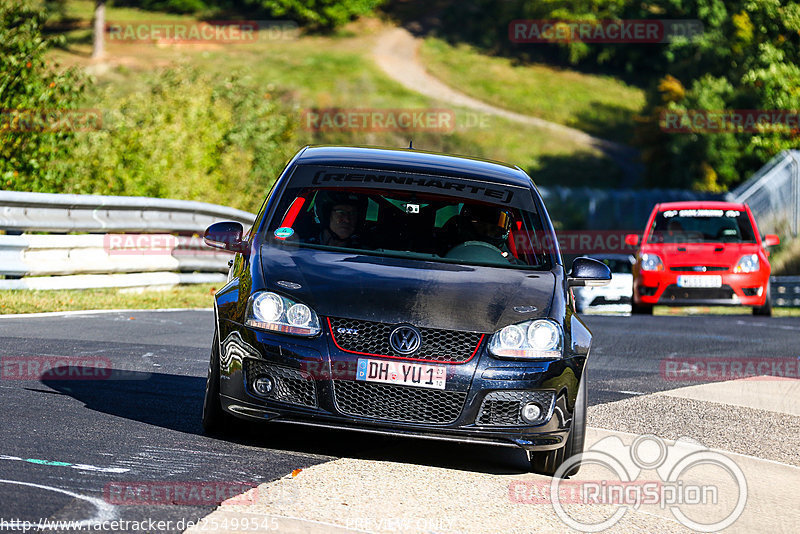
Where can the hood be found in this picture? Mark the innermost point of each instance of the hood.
(708, 254)
(397, 290)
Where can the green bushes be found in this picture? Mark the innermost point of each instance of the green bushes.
(28, 85)
(182, 135)
(314, 14)
(317, 13)
(187, 136)
(745, 59)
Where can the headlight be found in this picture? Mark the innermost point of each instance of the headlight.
(651, 262)
(270, 311)
(532, 339)
(747, 264)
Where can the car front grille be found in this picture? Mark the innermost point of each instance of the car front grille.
(675, 293)
(697, 268)
(398, 403)
(368, 337)
(290, 385)
(504, 408)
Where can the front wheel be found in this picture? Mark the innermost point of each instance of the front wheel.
(548, 462)
(215, 420)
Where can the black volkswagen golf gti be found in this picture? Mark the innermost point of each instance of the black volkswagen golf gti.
(406, 293)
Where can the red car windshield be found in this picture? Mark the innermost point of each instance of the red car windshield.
(702, 226)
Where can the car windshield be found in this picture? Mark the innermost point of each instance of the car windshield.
(702, 226)
(414, 223)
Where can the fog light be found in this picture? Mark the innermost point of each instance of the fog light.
(263, 385)
(531, 412)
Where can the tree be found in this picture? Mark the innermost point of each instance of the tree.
(98, 43)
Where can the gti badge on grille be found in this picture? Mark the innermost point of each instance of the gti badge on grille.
(351, 331)
(405, 340)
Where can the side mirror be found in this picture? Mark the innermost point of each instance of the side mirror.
(632, 239)
(225, 235)
(588, 272)
(770, 240)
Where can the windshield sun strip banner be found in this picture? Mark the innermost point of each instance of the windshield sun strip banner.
(457, 187)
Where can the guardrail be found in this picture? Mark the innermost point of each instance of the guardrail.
(773, 194)
(785, 291)
(125, 241)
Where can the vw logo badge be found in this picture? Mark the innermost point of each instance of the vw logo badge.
(405, 340)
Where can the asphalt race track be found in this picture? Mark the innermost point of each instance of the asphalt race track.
(65, 439)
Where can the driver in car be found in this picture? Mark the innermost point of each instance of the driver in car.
(341, 218)
(481, 224)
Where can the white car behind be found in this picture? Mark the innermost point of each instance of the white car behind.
(615, 297)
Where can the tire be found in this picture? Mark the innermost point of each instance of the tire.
(766, 309)
(216, 421)
(641, 309)
(548, 462)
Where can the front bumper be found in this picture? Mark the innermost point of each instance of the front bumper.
(662, 288)
(320, 374)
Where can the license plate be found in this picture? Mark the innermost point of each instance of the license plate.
(700, 281)
(404, 373)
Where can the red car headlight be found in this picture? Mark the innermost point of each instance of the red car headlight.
(747, 264)
(651, 262)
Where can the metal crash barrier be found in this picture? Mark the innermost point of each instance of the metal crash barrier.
(58, 241)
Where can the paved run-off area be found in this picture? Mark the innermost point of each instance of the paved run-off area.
(744, 434)
(392, 496)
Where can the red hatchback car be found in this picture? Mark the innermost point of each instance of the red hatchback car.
(701, 252)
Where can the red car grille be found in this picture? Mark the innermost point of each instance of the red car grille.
(697, 269)
(675, 293)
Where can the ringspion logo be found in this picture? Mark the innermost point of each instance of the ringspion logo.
(704, 490)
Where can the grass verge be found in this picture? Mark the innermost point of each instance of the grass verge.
(188, 296)
(601, 105)
(333, 72)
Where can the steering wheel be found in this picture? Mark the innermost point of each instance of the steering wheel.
(479, 251)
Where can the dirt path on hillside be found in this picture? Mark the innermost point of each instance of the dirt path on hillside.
(397, 54)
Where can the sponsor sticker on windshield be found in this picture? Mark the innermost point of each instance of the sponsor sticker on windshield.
(284, 232)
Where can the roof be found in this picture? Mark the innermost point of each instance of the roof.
(700, 205)
(414, 160)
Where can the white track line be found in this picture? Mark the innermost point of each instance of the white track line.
(95, 312)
